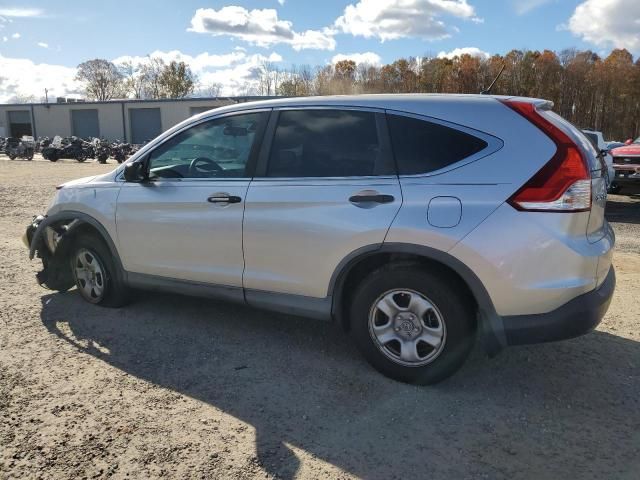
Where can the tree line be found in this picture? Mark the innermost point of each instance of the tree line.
(103, 80)
(586, 89)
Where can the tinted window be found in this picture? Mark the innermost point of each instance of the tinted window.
(216, 149)
(593, 138)
(422, 147)
(327, 143)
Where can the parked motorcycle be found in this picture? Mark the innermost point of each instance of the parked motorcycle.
(41, 143)
(71, 147)
(102, 149)
(19, 148)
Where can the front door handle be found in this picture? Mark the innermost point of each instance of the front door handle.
(223, 198)
(370, 197)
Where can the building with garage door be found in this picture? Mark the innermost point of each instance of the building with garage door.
(134, 121)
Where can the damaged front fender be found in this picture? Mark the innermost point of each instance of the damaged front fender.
(50, 238)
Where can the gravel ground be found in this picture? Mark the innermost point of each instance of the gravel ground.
(186, 388)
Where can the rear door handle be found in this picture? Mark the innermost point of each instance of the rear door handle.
(371, 196)
(223, 198)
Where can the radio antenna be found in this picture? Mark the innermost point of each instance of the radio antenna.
(488, 90)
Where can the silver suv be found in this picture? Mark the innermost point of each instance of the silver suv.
(419, 222)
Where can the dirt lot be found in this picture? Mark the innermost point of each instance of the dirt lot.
(184, 388)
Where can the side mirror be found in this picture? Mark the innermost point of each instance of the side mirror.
(134, 172)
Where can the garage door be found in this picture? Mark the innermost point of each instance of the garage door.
(145, 124)
(20, 123)
(85, 123)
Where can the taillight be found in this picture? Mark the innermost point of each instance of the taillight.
(564, 183)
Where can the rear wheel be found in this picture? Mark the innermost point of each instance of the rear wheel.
(95, 273)
(413, 325)
(81, 156)
(53, 156)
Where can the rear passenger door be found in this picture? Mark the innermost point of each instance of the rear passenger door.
(325, 186)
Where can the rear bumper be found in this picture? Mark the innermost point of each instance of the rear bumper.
(575, 318)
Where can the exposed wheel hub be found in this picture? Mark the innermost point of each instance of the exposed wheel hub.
(407, 324)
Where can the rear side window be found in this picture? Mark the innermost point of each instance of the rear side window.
(420, 146)
(327, 143)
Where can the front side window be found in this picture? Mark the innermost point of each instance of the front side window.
(327, 143)
(219, 148)
(420, 146)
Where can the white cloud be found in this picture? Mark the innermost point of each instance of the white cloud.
(281, 2)
(16, 36)
(367, 58)
(392, 19)
(5, 39)
(458, 52)
(260, 27)
(22, 78)
(614, 23)
(43, 44)
(198, 63)
(235, 71)
(20, 12)
(523, 7)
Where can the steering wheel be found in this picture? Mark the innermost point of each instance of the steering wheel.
(202, 165)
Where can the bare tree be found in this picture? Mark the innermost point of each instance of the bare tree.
(150, 72)
(103, 80)
(133, 80)
(213, 89)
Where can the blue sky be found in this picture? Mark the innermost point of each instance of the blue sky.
(223, 40)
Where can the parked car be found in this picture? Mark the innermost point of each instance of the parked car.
(419, 222)
(597, 140)
(612, 145)
(626, 162)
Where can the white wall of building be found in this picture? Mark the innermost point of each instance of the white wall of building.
(113, 117)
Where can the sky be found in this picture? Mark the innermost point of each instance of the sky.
(224, 41)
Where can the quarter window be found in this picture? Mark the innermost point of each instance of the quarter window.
(219, 148)
(327, 143)
(421, 147)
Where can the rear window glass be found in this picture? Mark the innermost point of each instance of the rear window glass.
(420, 146)
(327, 143)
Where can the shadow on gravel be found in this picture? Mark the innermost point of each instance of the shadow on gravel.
(568, 409)
(623, 212)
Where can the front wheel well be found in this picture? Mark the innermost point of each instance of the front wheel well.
(355, 272)
(54, 245)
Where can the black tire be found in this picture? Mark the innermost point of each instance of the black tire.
(114, 291)
(81, 157)
(453, 305)
(53, 156)
(614, 188)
